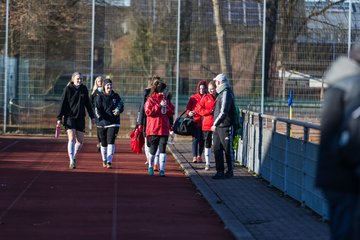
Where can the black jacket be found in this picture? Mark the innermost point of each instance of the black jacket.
(104, 107)
(74, 101)
(141, 119)
(224, 106)
(331, 172)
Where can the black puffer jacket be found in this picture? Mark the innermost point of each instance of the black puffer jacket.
(104, 107)
(331, 172)
(223, 106)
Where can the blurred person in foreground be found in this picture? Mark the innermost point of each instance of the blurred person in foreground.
(222, 127)
(108, 107)
(75, 99)
(338, 181)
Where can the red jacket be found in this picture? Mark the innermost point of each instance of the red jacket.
(157, 123)
(205, 108)
(193, 101)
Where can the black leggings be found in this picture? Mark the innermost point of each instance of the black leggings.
(154, 141)
(207, 136)
(108, 135)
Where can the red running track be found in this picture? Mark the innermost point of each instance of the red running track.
(40, 198)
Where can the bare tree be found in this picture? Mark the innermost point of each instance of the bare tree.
(220, 35)
(287, 20)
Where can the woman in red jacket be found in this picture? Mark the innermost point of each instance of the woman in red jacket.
(205, 108)
(197, 139)
(158, 110)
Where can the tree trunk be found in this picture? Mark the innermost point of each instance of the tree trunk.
(220, 35)
(271, 23)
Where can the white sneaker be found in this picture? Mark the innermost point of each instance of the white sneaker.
(207, 167)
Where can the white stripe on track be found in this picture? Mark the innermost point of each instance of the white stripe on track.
(8, 146)
(115, 201)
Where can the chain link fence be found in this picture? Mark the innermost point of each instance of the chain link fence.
(46, 41)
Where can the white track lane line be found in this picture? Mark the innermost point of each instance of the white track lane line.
(115, 200)
(8, 146)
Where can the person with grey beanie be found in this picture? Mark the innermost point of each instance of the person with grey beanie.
(223, 128)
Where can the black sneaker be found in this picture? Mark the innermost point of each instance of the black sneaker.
(229, 174)
(219, 175)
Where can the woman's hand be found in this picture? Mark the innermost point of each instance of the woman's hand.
(192, 113)
(116, 112)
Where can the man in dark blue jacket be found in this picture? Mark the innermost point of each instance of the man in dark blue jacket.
(223, 127)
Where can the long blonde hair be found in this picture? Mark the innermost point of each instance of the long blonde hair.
(95, 86)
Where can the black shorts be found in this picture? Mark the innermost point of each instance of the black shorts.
(75, 123)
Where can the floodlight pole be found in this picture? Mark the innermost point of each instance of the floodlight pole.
(177, 60)
(6, 63)
(263, 59)
(349, 30)
(92, 55)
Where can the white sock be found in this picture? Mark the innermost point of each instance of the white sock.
(103, 153)
(151, 160)
(147, 152)
(110, 152)
(77, 148)
(162, 161)
(71, 146)
(156, 159)
(207, 154)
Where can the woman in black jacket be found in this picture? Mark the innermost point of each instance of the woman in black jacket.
(75, 99)
(97, 89)
(108, 107)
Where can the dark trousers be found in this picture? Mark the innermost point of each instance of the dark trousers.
(342, 214)
(154, 142)
(223, 143)
(197, 143)
(108, 135)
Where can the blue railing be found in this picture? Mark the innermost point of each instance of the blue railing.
(283, 152)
